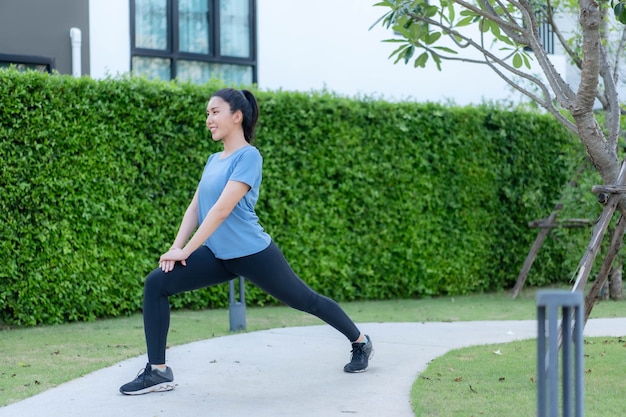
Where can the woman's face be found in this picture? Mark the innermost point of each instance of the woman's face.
(220, 120)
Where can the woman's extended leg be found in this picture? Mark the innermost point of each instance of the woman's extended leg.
(270, 271)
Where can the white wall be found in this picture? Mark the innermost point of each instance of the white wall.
(109, 41)
(327, 44)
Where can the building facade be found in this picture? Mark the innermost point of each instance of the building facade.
(36, 34)
(277, 44)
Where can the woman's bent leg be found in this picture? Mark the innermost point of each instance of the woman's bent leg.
(202, 270)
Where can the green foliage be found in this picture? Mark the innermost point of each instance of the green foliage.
(367, 199)
(620, 10)
(426, 28)
(435, 30)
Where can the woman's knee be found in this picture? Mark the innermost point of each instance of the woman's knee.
(154, 282)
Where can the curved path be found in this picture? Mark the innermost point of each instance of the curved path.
(284, 372)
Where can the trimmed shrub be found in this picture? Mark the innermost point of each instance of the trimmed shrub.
(367, 199)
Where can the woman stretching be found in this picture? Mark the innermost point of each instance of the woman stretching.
(220, 238)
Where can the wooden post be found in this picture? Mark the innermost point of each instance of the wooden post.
(545, 226)
(615, 278)
(614, 247)
(530, 258)
(586, 262)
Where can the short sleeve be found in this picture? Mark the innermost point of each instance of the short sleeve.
(248, 168)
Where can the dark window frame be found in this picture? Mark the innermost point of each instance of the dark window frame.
(174, 54)
(49, 62)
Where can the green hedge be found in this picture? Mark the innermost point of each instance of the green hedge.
(367, 199)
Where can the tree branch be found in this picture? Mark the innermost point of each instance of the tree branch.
(610, 90)
(450, 58)
(528, 16)
(512, 30)
(564, 94)
(557, 31)
(496, 63)
(504, 24)
(620, 49)
(505, 10)
(455, 35)
(561, 89)
(546, 104)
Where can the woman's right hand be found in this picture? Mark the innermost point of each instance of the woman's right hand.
(169, 259)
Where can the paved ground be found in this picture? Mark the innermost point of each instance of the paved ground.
(284, 372)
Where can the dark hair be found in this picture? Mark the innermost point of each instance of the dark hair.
(244, 101)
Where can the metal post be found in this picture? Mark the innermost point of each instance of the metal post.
(579, 389)
(237, 309)
(541, 362)
(567, 361)
(571, 304)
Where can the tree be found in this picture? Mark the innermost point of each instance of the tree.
(505, 36)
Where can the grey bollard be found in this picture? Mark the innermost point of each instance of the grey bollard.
(237, 309)
(572, 306)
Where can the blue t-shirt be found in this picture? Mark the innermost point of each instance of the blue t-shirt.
(240, 234)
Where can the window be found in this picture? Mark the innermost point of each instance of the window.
(194, 40)
(25, 63)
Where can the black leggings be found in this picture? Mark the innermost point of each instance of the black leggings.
(267, 269)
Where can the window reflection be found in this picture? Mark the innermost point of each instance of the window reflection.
(200, 72)
(193, 26)
(235, 28)
(151, 24)
(152, 68)
(25, 67)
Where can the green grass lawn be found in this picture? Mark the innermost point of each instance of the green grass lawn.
(463, 382)
(475, 381)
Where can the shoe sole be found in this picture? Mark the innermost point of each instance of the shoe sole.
(164, 386)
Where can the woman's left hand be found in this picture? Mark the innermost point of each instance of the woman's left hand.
(169, 259)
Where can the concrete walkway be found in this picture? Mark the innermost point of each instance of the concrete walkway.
(284, 372)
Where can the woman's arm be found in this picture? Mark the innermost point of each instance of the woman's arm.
(233, 192)
(188, 224)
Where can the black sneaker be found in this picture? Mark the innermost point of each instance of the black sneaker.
(361, 354)
(149, 380)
